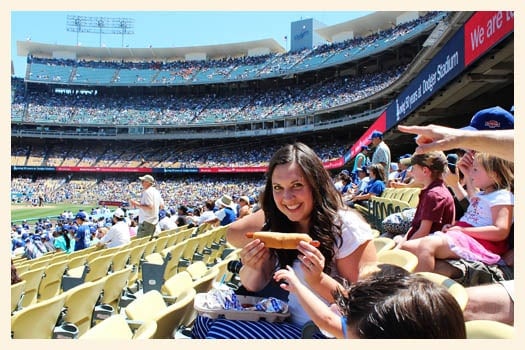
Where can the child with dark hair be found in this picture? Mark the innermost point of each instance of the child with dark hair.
(388, 303)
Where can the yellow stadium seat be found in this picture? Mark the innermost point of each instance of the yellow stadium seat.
(116, 327)
(398, 257)
(38, 320)
(17, 293)
(487, 329)
(457, 290)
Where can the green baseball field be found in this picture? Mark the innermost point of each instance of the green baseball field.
(32, 214)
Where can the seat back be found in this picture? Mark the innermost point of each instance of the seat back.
(33, 279)
(50, 284)
(161, 243)
(204, 283)
(383, 243)
(176, 284)
(114, 284)
(398, 257)
(38, 320)
(17, 293)
(145, 307)
(80, 303)
(173, 316)
(488, 329)
(77, 261)
(150, 247)
(120, 259)
(172, 266)
(197, 269)
(146, 330)
(114, 327)
(99, 267)
(457, 290)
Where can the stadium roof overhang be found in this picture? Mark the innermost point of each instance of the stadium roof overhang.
(363, 26)
(36, 49)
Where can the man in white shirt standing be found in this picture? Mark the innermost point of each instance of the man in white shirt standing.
(150, 204)
(381, 151)
(118, 234)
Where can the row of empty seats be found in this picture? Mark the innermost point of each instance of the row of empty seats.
(110, 276)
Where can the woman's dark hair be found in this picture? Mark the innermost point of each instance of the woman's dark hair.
(324, 223)
(378, 170)
(393, 306)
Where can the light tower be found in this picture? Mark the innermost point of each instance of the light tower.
(100, 25)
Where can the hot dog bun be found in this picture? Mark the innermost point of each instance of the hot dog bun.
(280, 240)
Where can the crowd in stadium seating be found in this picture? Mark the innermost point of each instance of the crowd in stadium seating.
(200, 109)
(228, 68)
(175, 156)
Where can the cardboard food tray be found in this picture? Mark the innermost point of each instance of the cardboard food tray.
(248, 315)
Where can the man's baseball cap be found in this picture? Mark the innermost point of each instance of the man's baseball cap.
(376, 134)
(147, 178)
(493, 118)
(119, 213)
(81, 215)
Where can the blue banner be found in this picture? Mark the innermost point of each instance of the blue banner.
(445, 66)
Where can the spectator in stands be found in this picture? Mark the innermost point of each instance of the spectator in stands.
(226, 213)
(46, 241)
(375, 187)
(19, 247)
(338, 180)
(31, 251)
(362, 182)
(299, 196)
(487, 301)
(165, 222)
(182, 216)
(435, 207)
(386, 306)
(361, 161)
(394, 172)
(481, 234)
(82, 234)
(149, 205)
(118, 234)
(62, 242)
(208, 216)
(245, 208)
(381, 151)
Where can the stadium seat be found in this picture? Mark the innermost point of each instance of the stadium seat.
(116, 327)
(151, 306)
(158, 267)
(398, 257)
(135, 258)
(191, 246)
(457, 290)
(120, 259)
(17, 293)
(383, 243)
(33, 279)
(52, 280)
(80, 303)
(197, 269)
(94, 270)
(47, 312)
(114, 286)
(176, 284)
(488, 329)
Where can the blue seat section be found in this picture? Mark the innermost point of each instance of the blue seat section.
(49, 73)
(91, 75)
(135, 76)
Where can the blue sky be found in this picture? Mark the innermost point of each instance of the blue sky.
(166, 28)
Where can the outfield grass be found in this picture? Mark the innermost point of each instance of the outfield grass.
(32, 214)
